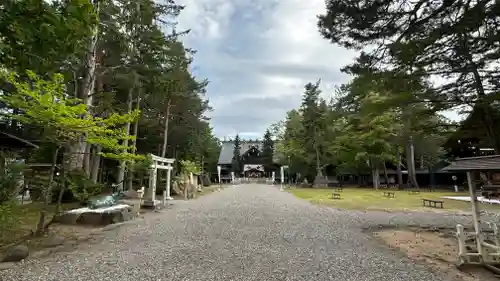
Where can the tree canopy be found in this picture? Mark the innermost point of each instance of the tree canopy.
(113, 58)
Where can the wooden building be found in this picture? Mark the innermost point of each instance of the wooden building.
(252, 163)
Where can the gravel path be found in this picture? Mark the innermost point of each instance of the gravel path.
(250, 232)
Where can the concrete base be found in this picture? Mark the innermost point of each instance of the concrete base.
(150, 204)
(97, 217)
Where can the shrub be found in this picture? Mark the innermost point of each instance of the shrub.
(82, 187)
(11, 181)
(7, 215)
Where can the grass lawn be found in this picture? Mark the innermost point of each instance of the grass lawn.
(371, 199)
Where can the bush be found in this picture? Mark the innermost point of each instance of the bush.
(82, 187)
(7, 215)
(11, 181)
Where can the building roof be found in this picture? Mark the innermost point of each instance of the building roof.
(480, 163)
(473, 128)
(227, 149)
(10, 141)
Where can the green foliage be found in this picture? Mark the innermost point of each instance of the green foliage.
(451, 40)
(268, 148)
(189, 167)
(28, 30)
(311, 117)
(289, 141)
(8, 216)
(141, 165)
(364, 128)
(45, 104)
(236, 161)
(369, 136)
(81, 186)
(135, 56)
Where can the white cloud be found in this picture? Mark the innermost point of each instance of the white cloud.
(258, 54)
(207, 19)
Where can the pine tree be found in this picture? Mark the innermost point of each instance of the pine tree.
(311, 124)
(236, 155)
(267, 149)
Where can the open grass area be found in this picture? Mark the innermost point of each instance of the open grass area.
(371, 199)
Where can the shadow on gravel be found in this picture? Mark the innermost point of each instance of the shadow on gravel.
(433, 246)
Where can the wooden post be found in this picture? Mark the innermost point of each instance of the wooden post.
(169, 175)
(462, 249)
(476, 216)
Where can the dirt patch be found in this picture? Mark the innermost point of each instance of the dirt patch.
(438, 249)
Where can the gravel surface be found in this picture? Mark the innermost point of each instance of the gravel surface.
(249, 232)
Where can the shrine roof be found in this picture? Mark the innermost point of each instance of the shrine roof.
(226, 151)
(480, 163)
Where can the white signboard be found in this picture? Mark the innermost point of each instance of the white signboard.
(249, 167)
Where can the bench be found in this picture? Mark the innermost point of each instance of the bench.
(490, 191)
(336, 196)
(339, 189)
(432, 203)
(414, 192)
(389, 194)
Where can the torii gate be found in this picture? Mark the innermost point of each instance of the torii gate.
(162, 164)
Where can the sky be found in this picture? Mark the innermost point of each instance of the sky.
(258, 55)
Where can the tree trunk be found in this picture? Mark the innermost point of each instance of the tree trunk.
(86, 159)
(63, 186)
(96, 162)
(319, 180)
(398, 169)
(385, 175)
(165, 130)
(375, 175)
(165, 138)
(318, 164)
(121, 172)
(86, 88)
(47, 196)
(432, 179)
(135, 132)
(410, 163)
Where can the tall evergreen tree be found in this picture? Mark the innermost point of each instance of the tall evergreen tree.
(311, 124)
(267, 149)
(236, 165)
(452, 39)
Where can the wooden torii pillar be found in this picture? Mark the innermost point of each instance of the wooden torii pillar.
(162, 164)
